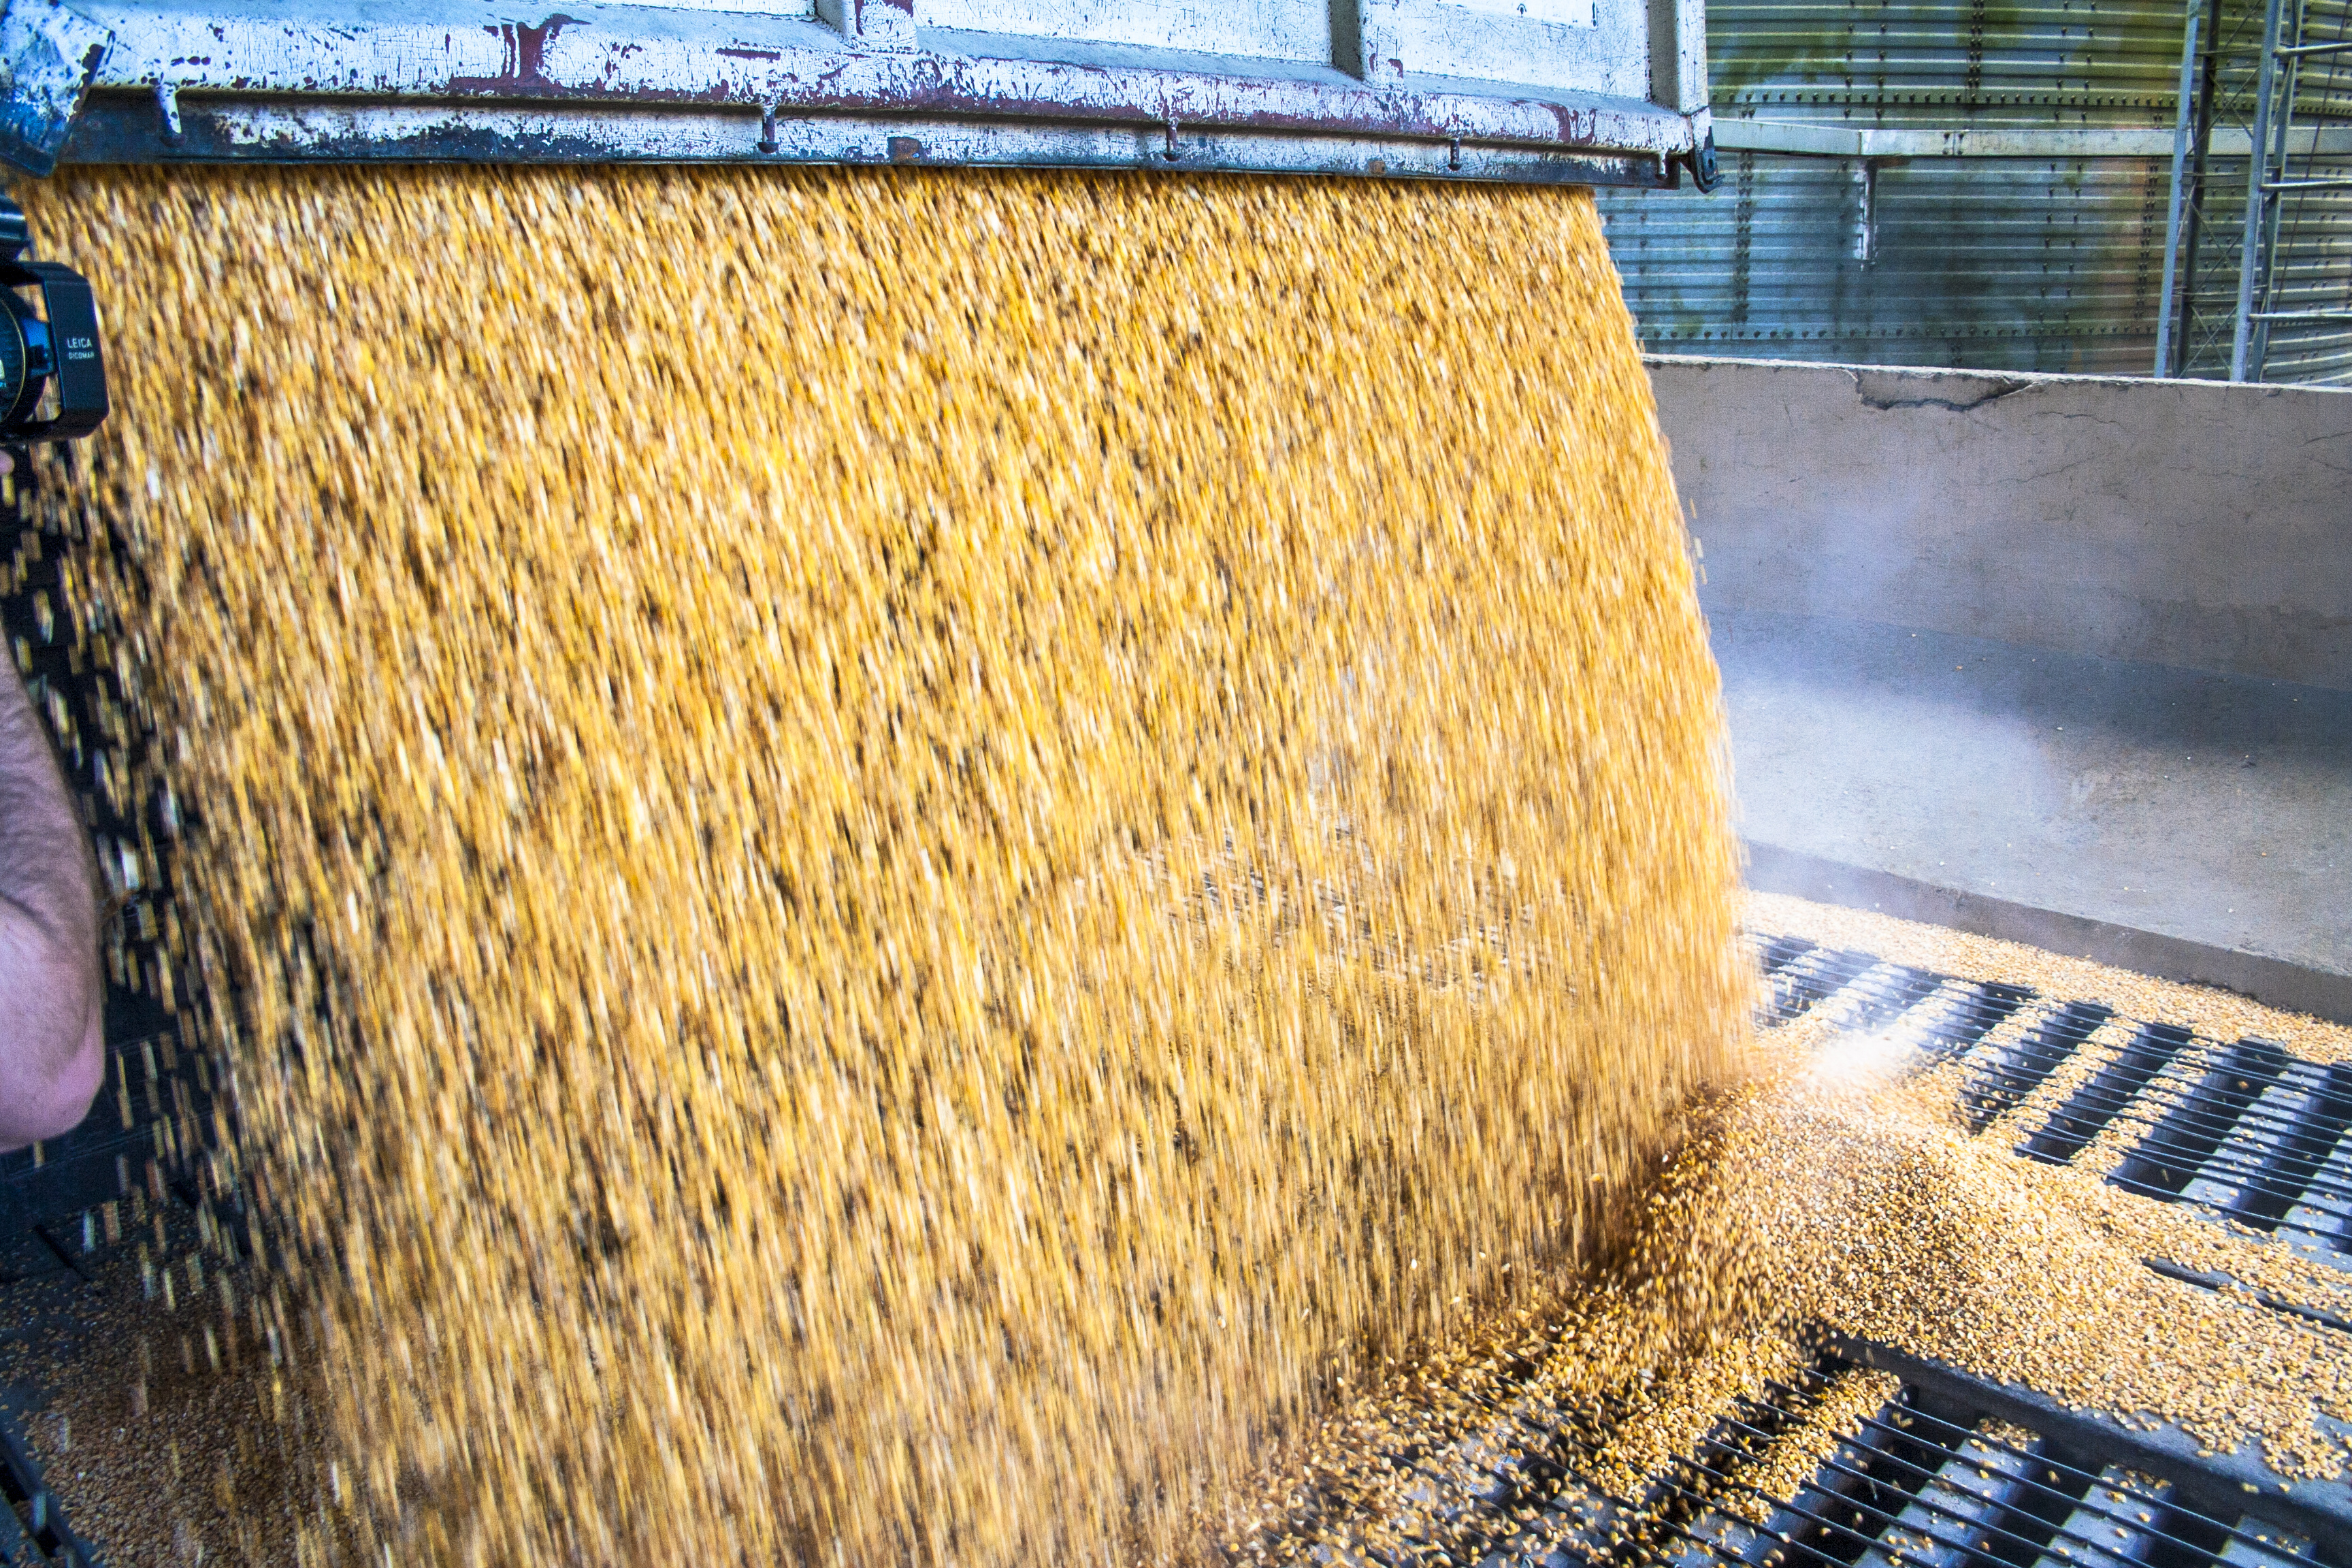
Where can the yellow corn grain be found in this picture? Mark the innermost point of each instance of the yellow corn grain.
(884, 859)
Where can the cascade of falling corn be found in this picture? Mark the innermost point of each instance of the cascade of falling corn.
(885, 861)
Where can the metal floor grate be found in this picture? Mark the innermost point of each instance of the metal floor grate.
(1942, 1016)
(33, 1529)
(1955, 1473)
(2001, 1077)
(2087, 1111)
(2242, 1130)
(1948, 1471)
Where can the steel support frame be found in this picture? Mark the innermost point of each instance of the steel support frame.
(2192, 226)
(2182, 127)
(2259, 198)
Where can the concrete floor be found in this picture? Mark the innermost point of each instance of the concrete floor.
(2216, 809)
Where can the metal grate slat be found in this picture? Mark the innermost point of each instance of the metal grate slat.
(2170, 1158)
(2016, 1072)
(2315, 1106)
(2245, 1132)
(1814, 978)
(1932, 1481)
(2089, 1108)
(33, 1529)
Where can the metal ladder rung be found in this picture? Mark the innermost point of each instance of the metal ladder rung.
(2269, 190)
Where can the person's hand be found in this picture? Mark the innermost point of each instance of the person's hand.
(7, 464)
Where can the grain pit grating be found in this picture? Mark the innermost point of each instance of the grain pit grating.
(1955, 1473)
(1944, 1470)
(33, 1529)
(1939, 1017)
(2243, 1130)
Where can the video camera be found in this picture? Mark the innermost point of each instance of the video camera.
(51, 349)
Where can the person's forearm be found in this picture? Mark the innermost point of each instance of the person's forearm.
(51, 1054)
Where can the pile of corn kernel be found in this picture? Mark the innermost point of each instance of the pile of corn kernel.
(1842, 1188)
(888, 863)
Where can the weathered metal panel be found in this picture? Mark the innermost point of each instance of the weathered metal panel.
(49, 52)
(1473, 88)
(1267, 29)
(1595, 47)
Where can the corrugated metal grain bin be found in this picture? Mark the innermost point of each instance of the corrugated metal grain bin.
(1948, 182)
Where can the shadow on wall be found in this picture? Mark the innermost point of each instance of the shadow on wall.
(2196, 524)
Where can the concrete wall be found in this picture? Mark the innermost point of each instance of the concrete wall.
(2187, 523)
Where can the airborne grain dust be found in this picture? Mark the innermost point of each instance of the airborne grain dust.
(889, 860)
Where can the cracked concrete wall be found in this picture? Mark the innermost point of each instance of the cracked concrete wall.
(2187, 523)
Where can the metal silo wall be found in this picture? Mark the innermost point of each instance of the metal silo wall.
(2043, 264)
(1943, 63)
(1999, 264)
